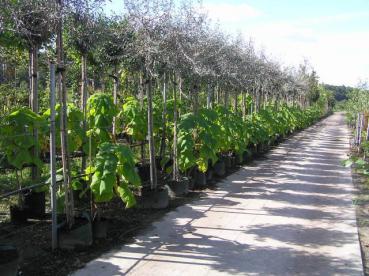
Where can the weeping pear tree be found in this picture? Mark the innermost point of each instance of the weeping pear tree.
(149, 19)
(63, 101)
(116, 51)
(84, 32)
(29, 25)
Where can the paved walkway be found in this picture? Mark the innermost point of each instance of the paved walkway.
(290, 214)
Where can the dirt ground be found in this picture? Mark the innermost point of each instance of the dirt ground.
(34, 239)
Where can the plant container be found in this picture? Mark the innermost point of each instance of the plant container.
(259, 149)
(265, 147)
(246, 157)
(228, 162)
(239, 159)
(34, 204)
(18, 215)
(219, 168)
(143, 171)
(154, 199)
(80, 236)
(200, 179)
(100, 228)
(9, 260)
(209, 174)
(191, 183)
(178, 188)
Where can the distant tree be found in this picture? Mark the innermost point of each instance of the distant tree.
(341, 92)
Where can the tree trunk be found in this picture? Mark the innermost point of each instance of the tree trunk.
(69, 205)
(243, 103)
(164, 117)
(235, 103)
(115, 95)
(195, 97)
(141, 98)
(84, 83)
(34, 103)
(150, 134)
(180, 82)
(226, 98)
(84, 103)
(175, 134)
(209, 97)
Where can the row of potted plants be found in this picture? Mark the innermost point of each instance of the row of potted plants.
(206, 140)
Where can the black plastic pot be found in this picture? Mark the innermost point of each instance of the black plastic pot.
(191, 183)
(178, 188)
(80, 236)
(245, 157)
(228, 162)
(265, 147)
(279, 139)
(239, 159)
(18, 216)
(143, 171)
(100, 228)
(219, 168)
(9, 259)
(233, 162)
(253, 151)
(34, 204)
(209, 174)
(154, 199)
(200, 179)
(259, 149)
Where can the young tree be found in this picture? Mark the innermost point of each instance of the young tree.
(116, 50)
(29, 24)
(149, 19)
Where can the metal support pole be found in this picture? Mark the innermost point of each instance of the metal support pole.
(54, 233)
(357, 129)
(361, 122)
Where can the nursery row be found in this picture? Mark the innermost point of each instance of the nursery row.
(197, 141)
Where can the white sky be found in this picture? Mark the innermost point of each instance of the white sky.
(333, 35)
(334, 41)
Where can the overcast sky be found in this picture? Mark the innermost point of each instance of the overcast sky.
(332, 34)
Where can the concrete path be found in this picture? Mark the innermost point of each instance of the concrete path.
(290, 214)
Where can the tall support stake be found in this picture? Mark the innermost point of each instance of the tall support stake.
(243, 104)
(180, 86)
(361, 122)
(164, 117)
(209, 97)
(69, 206)
(115, 96)
(357, 129)
(34, 103)
(141, 96)
(235, 103)
(54, 222)
(84, 103)
(175, 134)
(150, 134)
(367, 132)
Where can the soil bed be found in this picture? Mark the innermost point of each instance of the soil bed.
(34, 239)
